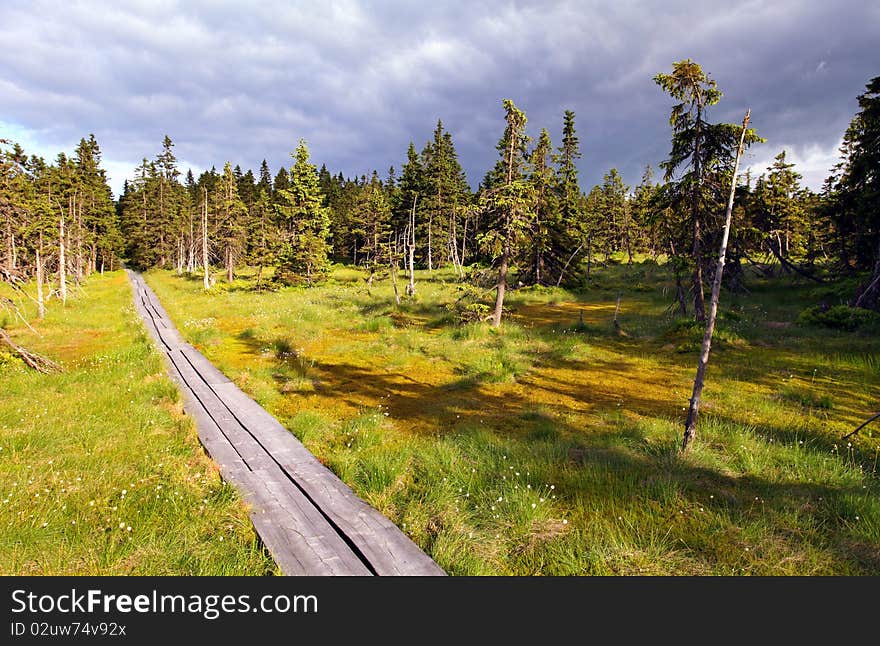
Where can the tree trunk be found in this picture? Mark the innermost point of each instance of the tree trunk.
(78, 261)
(430, 227)
(453, 248)
(41, 304)
(461, 255)
(62, 268)
(565, 266)
(191, 250)
(869, 297)
(690, 425)
(411, 248)
(697, 250)
(205, 242)
(10, 240)
(500, 288)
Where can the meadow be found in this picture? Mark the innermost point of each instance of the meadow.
(549, 446)
(101, 473)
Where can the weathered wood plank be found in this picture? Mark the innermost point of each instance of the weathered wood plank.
(205, 368)
(388, 549)
(286, 506)
(311, 522)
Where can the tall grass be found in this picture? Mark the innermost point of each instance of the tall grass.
(100, 471)
(548, 446)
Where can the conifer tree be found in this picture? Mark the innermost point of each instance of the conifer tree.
(230, 223)
(305, 221)
(704, 150)
(508, 203)
(544, 213)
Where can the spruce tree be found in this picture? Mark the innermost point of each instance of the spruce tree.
(306, 223)
(704, 151)
(230, 219)
(508, 203)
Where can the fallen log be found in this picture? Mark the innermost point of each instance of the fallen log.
(36, 361)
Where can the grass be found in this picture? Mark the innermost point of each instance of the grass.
(549, 446)
(100, 471)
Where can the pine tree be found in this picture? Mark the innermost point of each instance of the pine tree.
(373, 216)
(265, 181)
(545, 208)
(643, 209)
(569, 231)
(858, 202)
(410, 190)
(783, 215)
(508, 203)
(705, 151)
(230, 214)
(306, 223)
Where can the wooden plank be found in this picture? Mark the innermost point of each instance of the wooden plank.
(207, 370)
(383, 544)
(317, 541)
(311, 522)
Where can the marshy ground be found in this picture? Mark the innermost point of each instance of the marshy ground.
(549, 446)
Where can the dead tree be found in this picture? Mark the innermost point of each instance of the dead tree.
(690, 425)
(62, 263)
(32, 359)
(205, 241)
(411, 249)
(392, 267)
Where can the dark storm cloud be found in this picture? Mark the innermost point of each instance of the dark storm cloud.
(359, 80)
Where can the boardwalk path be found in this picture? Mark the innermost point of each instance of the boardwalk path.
(311, 522)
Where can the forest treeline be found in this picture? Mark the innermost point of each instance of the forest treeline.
(527, 221)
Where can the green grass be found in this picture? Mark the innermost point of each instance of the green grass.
(100, 471)
(549, 446)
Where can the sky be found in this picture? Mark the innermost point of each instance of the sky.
(359, 80)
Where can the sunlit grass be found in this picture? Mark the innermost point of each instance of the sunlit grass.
(549, 446)
(100, 471)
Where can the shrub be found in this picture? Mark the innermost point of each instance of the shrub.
(839, 317)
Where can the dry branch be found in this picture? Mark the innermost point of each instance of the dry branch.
(32, 359)
(861, 426)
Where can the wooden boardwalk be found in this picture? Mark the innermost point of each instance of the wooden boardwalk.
(311, 522)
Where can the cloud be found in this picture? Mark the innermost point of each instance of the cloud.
(359, 80)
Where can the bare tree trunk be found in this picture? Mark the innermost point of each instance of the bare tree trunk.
(500, 288)
(205, 242)
(690, 425)
(93, 258)
(78, 261)
(589, 254)
(567, 262)
(679, 294)
(411, 248)
(10, 240)
(229, 268)
(62, 263)
(41, 303)
(869, 297)
(392, 268)
(626, 237)
(430, 227)
(191, 251)
(453, 248)
(461, 255)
